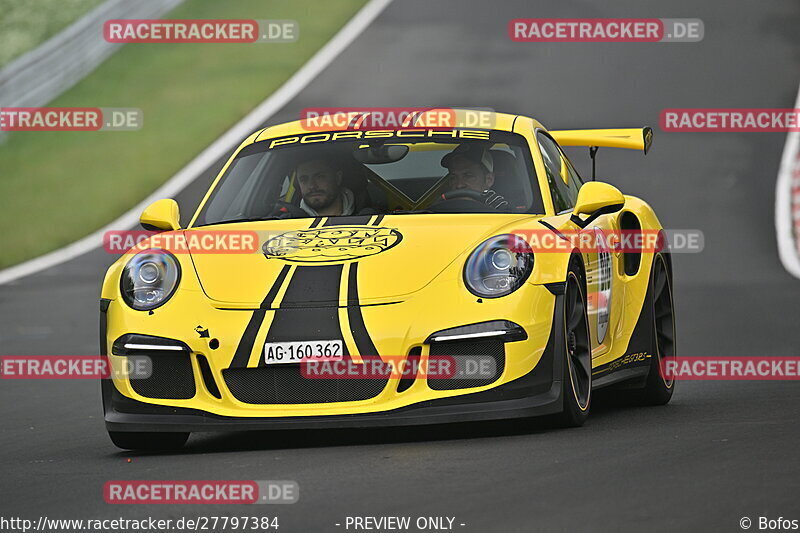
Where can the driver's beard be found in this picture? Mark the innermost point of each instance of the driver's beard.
(320, 202)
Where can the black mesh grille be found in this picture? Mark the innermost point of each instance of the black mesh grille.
(458, 350)
(285, 384)
(171, 377)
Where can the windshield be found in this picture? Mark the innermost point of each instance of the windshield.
(376, 172)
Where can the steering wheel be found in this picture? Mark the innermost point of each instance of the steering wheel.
(287, 210)
(463, 193)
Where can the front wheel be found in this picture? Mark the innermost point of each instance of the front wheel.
(576, 386)
(151, 441)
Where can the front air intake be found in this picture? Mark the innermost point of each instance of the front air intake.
(465, 376)
(171, 377)
(285, 384)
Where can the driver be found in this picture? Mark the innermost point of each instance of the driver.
(320, 181)
(470, 166)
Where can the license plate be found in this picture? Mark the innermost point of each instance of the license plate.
(276, 353)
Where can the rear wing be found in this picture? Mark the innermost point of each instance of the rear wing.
(630, 138)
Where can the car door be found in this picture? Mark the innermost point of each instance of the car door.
(598, 258)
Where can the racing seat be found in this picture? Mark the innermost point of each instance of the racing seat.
(354, 177)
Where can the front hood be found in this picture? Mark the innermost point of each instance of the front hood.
(394, 258)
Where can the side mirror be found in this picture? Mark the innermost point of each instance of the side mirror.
(161, 215)
(595, 199)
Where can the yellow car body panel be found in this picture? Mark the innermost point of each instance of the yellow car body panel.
(406, 292)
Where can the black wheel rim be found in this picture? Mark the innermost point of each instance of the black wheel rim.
(664, 316)
(579, 352)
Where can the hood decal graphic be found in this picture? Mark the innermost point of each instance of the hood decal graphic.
(330, 243)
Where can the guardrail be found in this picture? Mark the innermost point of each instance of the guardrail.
(787, 202)
(40, 75)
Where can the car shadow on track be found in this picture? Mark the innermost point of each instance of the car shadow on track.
(605, 405)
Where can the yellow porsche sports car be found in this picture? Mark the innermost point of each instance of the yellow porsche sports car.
(388, 248)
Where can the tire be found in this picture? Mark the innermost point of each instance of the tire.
(658, 388)
(576, 388)
(154, 441)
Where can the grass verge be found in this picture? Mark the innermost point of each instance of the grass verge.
(25, 24)
(56, 187)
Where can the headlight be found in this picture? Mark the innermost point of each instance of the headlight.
(499, 266)
(149, 279)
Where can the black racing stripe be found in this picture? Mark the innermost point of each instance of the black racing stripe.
(363, 341)
(242, 355)
(315, 285)
(361, 336)
(293, 322)
(348, 221)
(294, 319)
(273, 291)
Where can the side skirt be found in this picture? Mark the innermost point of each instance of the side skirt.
(634, 364)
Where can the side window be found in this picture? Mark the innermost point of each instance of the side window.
(575, 181)
(563, 187)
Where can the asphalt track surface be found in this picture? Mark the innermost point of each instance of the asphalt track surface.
(718, 452)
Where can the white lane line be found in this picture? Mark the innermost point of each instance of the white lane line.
(787, 203)
(217, 149)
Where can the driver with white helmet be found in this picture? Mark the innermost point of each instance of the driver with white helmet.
(470, 167)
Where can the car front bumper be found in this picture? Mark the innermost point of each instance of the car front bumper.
(529, 384)
(538, 393)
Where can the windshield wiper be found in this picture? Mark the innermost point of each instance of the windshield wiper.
(411, 212)
(236, 220)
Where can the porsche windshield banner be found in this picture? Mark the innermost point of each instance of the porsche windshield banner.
(413, 135)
